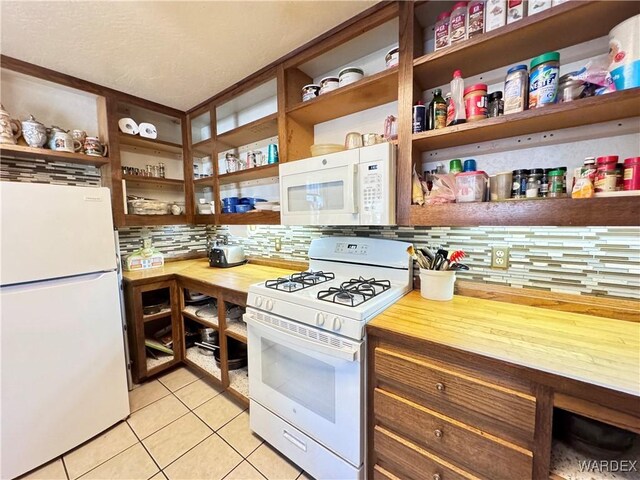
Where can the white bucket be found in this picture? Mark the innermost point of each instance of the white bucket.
(624, 53)
(437, 284)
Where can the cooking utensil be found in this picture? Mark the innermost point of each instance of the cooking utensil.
(417, 256)
(458, 266)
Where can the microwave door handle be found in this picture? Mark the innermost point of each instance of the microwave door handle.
(353, 180)
(299, 342)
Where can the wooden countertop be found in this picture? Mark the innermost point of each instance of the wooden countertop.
(593, 350)
(234, 278)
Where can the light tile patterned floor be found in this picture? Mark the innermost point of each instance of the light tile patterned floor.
(181, 427)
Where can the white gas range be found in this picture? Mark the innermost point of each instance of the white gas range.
(307, 350)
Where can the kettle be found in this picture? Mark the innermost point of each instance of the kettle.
(225, 256)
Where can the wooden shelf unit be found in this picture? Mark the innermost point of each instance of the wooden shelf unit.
(204, 148)
(602, 108)
(252, 217)
(143, 220)
(558, 27)
(170, 183)
(255, 173)
(371, 91)
(149, 144)
(24, 152)
(255, 131)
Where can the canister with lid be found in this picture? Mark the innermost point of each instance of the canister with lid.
(309, 92)
(632, 173)
(392, 57)
(516, 89)
(496, 104)
(328, 84)
(458, 23)
(606, 175)
(442, 31)
(476, 18)
(520, 178)
(556, 183)
(544, 79)
(350, 75)
(475, 102)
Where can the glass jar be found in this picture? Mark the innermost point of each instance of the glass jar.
(533, 186)
(520, 178)
(496, 104)
(604, 165)
(161, 170)
(556, 185)
(544, 183)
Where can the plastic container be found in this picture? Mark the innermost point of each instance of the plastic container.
(392, 58)
(544, 78)
(441, 35)
(624, 53)
(456, 110)
(632, 173)
(437, 284)
(309, 92)
(230, 201)
(516, 89)
(243, 208)
(350, 75)
(475, 102)
(329, 84)
(455, 166)
(476, 18)
(496, 14)
(471, 186)
(458, 23)
(500, 186)
(470, 165)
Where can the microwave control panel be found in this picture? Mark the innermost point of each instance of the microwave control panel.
(377, 187)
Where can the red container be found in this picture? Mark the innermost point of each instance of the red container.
(475, 102)
(632, 173)
(605, 164)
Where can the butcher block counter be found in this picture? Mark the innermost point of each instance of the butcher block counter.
(468, 388)
(198, 270)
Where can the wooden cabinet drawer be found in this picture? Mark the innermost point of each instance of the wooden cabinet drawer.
(500, 411)
(408, 461)
(489, 458)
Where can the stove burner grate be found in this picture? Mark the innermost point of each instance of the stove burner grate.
(354, 292)
(299, 281)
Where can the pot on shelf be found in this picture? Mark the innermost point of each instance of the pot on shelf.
(34, 132)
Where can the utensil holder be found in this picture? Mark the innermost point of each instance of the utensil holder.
(437, 284)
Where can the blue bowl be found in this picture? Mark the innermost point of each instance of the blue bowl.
(251, 200)
(243, 208)
(230, 201)
(230, 209)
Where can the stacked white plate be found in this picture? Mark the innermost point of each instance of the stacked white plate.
(267, 205)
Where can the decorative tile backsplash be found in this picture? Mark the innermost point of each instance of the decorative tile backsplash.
(578, 260)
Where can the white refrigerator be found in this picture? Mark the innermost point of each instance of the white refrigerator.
(63, 372)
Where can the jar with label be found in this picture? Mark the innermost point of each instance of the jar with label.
(520, 178)
(589, 168)
(556, 187)
(419, 117)
(437, 115)
(533, 185)
(606, 181)
(516, 88)
(458, 23)
(476, 18)
(632, 173)
(544, 183)
(309, 92)
(564, 177)
(475, 102)
(442, 31)
(496, 104)
(544, 79)
(392, 57)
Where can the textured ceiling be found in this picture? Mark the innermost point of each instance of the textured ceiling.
(177, 53)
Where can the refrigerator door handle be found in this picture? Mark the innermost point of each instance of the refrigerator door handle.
(20, 287)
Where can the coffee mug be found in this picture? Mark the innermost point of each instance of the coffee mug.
(79, 136)
(94, 148)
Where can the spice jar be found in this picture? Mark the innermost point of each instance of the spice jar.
(520, 178)
(632, 173)
(556, 183)
(544, 183)
(604, 165)
(496, 104)
(475, 102)
(458, 23)
(475, 18)
(533, 185)
(442, 31)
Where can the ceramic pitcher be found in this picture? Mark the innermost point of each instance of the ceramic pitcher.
(62, 141)
(34, 132)
(10, 129)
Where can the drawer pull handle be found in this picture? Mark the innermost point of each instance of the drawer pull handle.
(436, 476)
(440, 388)
(438, 433)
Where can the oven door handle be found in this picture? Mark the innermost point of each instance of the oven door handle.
(300, 343)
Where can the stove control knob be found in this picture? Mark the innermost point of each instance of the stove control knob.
(319, 318)
(337, 323)
(269, 304)
(258, 302)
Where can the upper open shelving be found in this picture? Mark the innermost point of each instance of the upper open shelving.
(149, 144)
(260, 129)
(250, 174)
(23, 152)
(371, 91)
(167, 183)
(603, 108)
(558, 27)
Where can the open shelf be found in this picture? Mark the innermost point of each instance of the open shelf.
(239, 381)
(369, 92)
(155, 365)
(204, 147)
(140, 181)
(136, 220)
(23, 152)
(254, 173)
(209, 321)
(253, 217)
(558, 27)
(616, 211)
(165, 312)
(204, 180)
(204, 363)
(149, 143)
(586, 111)
(237, 329)
(260, 129)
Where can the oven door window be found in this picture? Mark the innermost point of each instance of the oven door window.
(287, 371)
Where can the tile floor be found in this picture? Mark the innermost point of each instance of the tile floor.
(181, 427)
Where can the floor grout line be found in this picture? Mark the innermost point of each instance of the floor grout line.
(64, 465)
(201, 441)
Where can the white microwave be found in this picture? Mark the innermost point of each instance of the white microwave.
(353, 187)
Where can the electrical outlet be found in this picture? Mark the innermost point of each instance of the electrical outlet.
(277, 244)
(500, 257)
